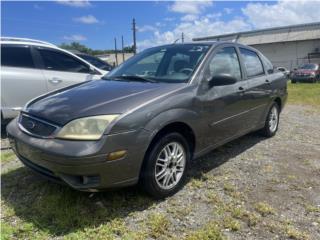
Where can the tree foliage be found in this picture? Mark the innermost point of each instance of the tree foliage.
(84, 49)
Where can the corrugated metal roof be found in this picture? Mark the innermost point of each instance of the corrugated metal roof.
(299, 32)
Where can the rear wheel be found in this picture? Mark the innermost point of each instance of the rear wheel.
(272, 121)
(165, 166)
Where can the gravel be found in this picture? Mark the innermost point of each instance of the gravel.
(282, 172)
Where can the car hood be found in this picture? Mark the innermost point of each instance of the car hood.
(95, 98)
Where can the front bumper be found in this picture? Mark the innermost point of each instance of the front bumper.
(82, 165)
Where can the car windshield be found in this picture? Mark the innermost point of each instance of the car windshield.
(309, 66)
(172, 64)
(96, 62)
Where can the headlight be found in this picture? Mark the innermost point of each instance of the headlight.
(87, 128)
(312, 74)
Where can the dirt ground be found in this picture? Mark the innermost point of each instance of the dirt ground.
(251, 188)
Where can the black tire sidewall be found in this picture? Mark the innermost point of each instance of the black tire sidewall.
(267, 130)
(148, 177)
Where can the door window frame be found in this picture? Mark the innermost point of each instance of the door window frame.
(35, 66)
(244, 66)
(212, 55)
(42, 64)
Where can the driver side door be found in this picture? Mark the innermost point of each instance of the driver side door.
(224, 107)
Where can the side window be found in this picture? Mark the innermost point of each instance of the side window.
(57, 61)
(225, 61)
(267, 64)
(16, 56)
(252, 63)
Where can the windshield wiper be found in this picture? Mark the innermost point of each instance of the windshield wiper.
(132, 78)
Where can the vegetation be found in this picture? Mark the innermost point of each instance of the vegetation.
(7, 156)
(84, 49)
(304, 93)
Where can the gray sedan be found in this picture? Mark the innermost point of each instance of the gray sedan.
(147, 119)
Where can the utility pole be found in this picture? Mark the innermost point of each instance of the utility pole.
(134, 36)
(122, 48)
(115, 50)
(182, 37)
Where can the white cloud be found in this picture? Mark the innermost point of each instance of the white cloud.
(147, 28)
(75, 3)
(75, 37)
(228, 10)
(255, 16)
(189, 17)
(86, 19)
(282, 13)
(202, 27)
(189, 7)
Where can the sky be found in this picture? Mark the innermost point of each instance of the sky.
(96, 24)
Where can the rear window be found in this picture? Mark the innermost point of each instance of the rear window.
(16, 56)
(252, 63)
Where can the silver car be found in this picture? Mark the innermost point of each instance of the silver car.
(30, 68)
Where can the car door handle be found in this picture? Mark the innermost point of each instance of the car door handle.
(267, 81)
(241, 89)
(55, 80)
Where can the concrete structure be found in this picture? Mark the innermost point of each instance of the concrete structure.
(288, 46)
(111, 58)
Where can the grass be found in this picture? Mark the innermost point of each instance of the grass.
(304, 93)
(264, 209)
(7, 156)
(209, 232)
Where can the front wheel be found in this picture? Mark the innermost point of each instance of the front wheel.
(165, 166)
(272, 121)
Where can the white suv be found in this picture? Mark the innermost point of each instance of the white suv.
(30, 68)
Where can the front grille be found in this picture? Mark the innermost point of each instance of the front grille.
(36, 126)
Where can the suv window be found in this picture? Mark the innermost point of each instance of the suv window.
(16, 56)
(59, 61)
(225, 61)
(252, 62)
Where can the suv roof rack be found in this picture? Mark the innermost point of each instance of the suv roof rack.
(25, 40)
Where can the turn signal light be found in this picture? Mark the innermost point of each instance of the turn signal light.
(116, 155)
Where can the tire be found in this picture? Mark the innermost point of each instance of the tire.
(168, 171)
(272, 121)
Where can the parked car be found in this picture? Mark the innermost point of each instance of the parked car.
(30, 68)
(285, 71)
(147, 119)
(309, 72)
(97, 62)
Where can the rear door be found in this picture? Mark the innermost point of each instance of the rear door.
(258, 85)
(21, 80)
(62, 69)
(224, 107)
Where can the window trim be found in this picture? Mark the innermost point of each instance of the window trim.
(35, 67)
(258, 55)
(38, 50)
(216, 50)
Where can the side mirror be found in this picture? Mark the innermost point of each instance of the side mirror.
(221, 80)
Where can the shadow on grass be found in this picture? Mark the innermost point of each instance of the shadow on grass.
(59, 210)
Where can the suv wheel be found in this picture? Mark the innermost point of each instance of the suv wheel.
(165, 166)
(272, 121)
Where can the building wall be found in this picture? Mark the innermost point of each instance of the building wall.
(289, 54)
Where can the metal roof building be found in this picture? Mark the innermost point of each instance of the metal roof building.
(287, 46)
